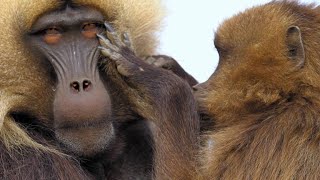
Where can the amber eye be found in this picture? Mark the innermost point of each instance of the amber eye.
(52, 35)
(90, 30)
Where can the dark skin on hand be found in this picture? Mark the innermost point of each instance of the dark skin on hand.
(175, 151)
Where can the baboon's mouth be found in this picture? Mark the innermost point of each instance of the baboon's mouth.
(84, 125)
(85, 139)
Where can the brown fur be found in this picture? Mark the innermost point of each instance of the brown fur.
(265, 106)
(25, 86)
(167, 102)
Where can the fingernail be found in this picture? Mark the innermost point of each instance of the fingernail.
(108, 26)
(100, 36)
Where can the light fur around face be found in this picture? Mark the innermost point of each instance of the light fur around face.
(26, 86)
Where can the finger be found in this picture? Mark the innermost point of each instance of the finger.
(106, 52)
(112, 34)
(126, 40)
(108, 26)
(107, 43)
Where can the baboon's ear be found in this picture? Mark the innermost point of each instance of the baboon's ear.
(295, 45)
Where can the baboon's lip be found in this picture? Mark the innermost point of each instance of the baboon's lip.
(87, 124)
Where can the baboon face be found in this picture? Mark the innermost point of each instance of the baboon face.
(66, 39)
(260, 58)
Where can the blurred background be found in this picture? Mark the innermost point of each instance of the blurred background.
(189, 28)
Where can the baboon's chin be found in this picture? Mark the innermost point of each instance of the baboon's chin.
(86, 140)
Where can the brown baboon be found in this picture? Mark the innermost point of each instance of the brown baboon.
(58, 94)
(264, 95)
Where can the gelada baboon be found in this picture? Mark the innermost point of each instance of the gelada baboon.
(264, 95)
(59, 95)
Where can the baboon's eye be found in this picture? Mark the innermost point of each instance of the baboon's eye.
(52, 35)
(90, 30)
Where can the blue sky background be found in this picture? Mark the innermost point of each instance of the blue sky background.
(189, 29)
